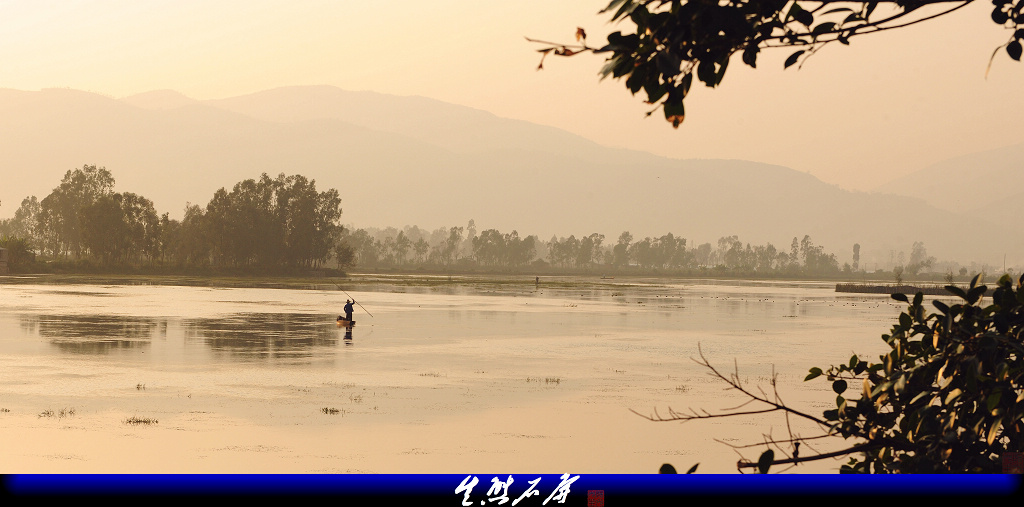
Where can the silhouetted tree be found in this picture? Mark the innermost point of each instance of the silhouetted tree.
(919, 259)
(621, 249)
(59, 216)
(671, 41)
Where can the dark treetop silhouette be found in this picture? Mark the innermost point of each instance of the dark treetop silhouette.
(676, 39)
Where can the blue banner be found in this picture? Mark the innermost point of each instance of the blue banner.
(515, 489)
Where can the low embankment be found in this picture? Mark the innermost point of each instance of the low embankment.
(928, 290)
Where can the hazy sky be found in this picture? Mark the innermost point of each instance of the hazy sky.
(856, 116)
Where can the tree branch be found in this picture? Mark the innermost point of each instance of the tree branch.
(867, 446)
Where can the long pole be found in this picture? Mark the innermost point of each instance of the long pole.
(353, 299)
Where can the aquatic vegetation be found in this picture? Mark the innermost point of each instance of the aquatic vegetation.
(136, 420)
(547, 380)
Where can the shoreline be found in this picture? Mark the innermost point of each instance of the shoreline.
(406, 279)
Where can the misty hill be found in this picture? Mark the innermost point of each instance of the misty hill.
(985, 184)
(410, 160)
(160, 99)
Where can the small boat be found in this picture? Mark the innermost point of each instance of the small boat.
(346, 323)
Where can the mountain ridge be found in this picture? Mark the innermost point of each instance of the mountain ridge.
(416, 161)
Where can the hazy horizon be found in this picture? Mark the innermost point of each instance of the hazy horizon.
(857, 116)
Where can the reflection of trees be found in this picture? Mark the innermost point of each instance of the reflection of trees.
(91, 334)
(264, 334)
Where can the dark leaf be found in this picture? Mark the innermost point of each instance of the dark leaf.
(870, 9)
(815, 372)
(1013, 49)
(765, 461)
(993, 400)
(674, 112)
(722, 65)
(906, 320)
(839, 386)
(793, 58)
(900, 297)
(803, 17)
(999, 16)
(975, 293)
(957, 291)
(823, 28)
(667, 469)
(706, 72)
(668, 63)
(750, 55)
(692, 469)
(654, 90)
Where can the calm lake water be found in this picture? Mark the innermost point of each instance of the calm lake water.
(468, 375)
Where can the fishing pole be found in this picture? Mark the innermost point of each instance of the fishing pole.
(353, 299)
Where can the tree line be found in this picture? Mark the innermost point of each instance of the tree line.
(463, 248)
(266, 224)
(284, 224)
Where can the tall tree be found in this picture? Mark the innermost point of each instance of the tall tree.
(59, 218)
(273, 222)
(919, 259)
(121, 228)
(24, 224)
(621, 249)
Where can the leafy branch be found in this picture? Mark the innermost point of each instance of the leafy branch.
(947, 397)
(673, 40)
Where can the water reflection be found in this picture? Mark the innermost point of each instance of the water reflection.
(264, 335)
(93, 334)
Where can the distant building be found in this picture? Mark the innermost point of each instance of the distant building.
(3, 261)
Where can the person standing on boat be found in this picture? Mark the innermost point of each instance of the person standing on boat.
(348, 310)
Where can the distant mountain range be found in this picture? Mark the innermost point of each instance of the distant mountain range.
(416, 161)
(986, 185)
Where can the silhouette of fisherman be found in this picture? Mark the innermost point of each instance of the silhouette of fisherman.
(348, 310)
